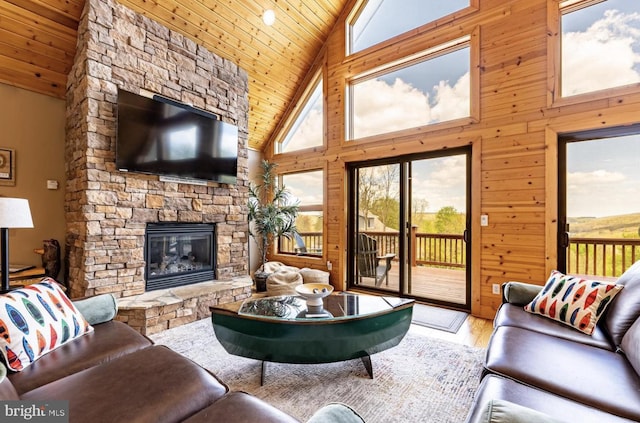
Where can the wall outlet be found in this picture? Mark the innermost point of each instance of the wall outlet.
(329, 265)
(495, 288)
(484, 220)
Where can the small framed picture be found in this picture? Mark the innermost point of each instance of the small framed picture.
(7, 166)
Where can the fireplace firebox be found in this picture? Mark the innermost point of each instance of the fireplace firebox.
(179, 254)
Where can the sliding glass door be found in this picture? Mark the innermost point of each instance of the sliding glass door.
(599, 201)
(409, 227)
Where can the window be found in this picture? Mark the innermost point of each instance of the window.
(307, 129)
(308, 189)
(379, 20)
(600, 45)
(433, 87)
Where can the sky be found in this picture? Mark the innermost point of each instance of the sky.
(383, 19)
(306, 187)
(603, 177)
(441, 182)
(417, 95)
(601, 49)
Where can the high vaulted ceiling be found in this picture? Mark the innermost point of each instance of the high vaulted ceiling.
(38, 39)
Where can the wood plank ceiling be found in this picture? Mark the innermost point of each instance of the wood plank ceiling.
(38, 39)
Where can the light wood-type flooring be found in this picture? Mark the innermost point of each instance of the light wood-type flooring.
(474, 332)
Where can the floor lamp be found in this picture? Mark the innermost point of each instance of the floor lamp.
(14, 213)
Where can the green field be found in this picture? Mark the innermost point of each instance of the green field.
(611, 253)
(623, 226)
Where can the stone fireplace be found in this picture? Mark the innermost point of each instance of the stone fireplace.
(108, 211)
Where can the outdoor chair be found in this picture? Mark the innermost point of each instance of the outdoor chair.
(369, 263)
(300, 247)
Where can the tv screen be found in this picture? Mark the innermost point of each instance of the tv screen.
(163, 137)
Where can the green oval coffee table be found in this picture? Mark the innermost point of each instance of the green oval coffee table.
(284, 330)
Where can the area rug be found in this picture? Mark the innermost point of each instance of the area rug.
(438, 317)
(421, 380)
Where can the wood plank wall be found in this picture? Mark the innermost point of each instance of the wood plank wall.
(514, 138)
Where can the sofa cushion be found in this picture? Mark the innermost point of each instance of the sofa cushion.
(108, 341)
(574, 301)
(98, 309)
(7, 391)
(631, 345)
(35, 320)
(240, 407)
(154, 385)
(514, 315)
(626, 308)
(495, 387)
(604, 379)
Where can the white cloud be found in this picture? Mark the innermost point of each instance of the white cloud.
(602, 56)
(452, 102)
(586, 180)
(307, 187)
(601, 193)
(442, 183)
(449, 170)
(381, 108)
(309, 133)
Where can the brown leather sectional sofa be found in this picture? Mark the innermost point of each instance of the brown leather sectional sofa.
(114, 374)
(564, 374)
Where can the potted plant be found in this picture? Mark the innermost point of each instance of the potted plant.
(272, 214)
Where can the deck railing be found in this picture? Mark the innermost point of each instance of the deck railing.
(601, 256)
(442, 250)
(312, 242)
(608, 257)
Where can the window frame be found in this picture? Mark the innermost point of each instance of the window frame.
(465, 41)
(554, 60)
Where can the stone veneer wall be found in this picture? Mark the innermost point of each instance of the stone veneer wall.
(107, 210)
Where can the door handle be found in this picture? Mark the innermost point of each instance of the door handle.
(465, 236)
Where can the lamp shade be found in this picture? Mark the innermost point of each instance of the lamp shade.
(15, 213)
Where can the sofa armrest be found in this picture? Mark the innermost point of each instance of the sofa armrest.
(519, 293)
(98, 309)
(500, 411)
(336, 412)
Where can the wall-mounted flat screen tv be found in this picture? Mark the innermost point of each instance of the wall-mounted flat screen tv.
(163, 137)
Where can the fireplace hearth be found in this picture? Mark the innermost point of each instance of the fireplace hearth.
(179, 254)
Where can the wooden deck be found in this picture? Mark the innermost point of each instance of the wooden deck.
(429, 283)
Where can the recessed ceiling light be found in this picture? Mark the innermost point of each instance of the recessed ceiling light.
(269, 17)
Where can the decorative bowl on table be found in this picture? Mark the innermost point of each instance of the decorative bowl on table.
(314, 292)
